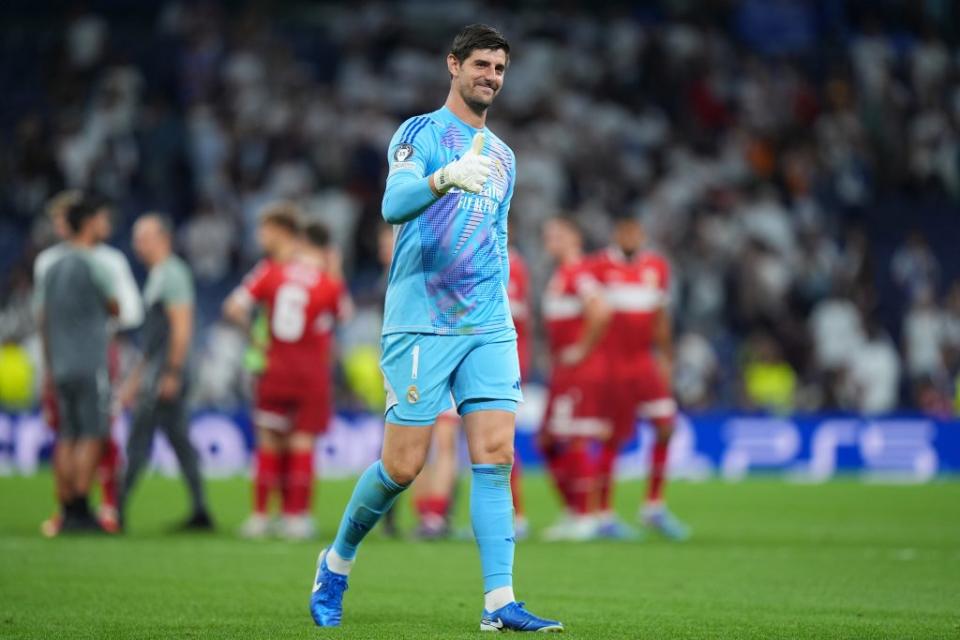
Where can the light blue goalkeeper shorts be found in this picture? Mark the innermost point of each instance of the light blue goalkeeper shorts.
(421, 371)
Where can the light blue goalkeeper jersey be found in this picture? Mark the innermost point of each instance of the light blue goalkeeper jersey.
(450, 264)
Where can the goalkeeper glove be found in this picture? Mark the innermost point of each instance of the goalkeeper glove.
(469, 172)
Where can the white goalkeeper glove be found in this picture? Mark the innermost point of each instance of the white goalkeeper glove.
(469, 173)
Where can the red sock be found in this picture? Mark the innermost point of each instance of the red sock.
(606, 462)
(422, 505)
(658, 471)
(298, 483)
(582, 473)
(440, 505)
(266, 479)
(516, 488)
(107, 473)
(433, 505)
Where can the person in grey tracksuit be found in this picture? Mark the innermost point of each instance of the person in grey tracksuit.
(159, 385)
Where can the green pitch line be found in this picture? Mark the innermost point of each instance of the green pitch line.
(768, 560)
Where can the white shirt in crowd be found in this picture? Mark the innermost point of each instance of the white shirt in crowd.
(924, 335)
(837, 332)
(874, 377)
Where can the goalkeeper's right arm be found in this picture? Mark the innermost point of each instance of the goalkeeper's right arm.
(407, 196)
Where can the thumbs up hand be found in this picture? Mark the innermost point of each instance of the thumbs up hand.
(469, 173)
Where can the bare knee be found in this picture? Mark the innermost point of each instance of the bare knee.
(495, 452)
(405, 452)
(301, 442)
(270, 440)
(402, 469)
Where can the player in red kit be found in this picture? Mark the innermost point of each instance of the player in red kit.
(293, 395)
(518, 291)
(639, 352)
(576, 317)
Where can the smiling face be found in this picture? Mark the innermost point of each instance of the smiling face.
(479, 77)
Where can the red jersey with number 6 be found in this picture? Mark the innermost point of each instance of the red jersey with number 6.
(302, 303)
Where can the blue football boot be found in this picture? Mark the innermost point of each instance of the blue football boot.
(513, 617)
(326, 601)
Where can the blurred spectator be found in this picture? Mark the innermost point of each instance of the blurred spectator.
(17, 314)
(765, 220)
(837, 332)
(929, 65)
(769, 381)
(208, 243)
(952, 317)
(764, 279)
(925, 337)
(704, 279)
(817, 264)
(914, 267)
(34, 169)
(933, 395)
(856, 261)
(86, 40)
(695, 373)
(840, 138)
(952, 345)
(872, 378)
(222, 379)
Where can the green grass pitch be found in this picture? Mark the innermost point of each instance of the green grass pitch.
(768, 560)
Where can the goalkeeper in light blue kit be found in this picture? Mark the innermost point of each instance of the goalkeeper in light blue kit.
(447, 328)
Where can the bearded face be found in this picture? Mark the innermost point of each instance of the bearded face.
(479, 77)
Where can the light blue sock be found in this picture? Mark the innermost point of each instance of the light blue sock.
(373, 496)
(491, 513)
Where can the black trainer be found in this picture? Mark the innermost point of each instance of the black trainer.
(199, 521)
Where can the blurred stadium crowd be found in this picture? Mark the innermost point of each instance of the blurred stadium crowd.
(799, 162)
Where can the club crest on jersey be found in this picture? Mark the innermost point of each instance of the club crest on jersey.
(413, 396)
(403, 152)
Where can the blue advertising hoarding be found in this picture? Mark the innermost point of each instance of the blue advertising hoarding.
(905, 448)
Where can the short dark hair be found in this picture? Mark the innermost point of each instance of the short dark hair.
(478, 36)
(317, 234)
(98, 202)
(625, 217)
(283, 214)
(59, 203)
(78, 212)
